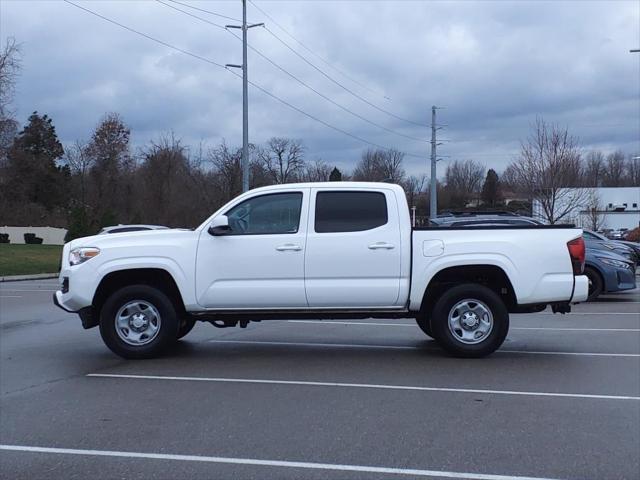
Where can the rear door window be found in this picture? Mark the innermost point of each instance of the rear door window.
(350, 211)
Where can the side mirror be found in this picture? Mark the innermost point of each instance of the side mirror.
(219, 226)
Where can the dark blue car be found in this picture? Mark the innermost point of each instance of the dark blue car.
(608, 272)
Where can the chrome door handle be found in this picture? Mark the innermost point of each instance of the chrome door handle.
(288, 246)
(378, 245)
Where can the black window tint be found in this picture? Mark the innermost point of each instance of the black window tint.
(349, 211)
(266, 214)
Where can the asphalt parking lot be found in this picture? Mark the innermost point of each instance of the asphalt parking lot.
(355, 399)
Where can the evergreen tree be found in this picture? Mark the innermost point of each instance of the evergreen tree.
(34, 174)
(336, 175)
(491, 194)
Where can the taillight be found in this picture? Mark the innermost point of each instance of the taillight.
(577, 253)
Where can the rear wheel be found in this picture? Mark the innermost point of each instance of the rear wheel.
(470, 320)
(138, 321)
(595, 283)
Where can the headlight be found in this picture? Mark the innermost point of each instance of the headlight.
(615, 263)
(82, 254)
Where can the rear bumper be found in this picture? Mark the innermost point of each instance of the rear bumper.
(580, 289)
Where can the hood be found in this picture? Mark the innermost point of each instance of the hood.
(604, 253)
(132, 238)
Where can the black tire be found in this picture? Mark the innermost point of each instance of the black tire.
(424, 322)
(167, 325)
(596, 284)
(449, 338)
(186, 325)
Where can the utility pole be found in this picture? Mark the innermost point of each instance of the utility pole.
(433, 204)
(245, 94)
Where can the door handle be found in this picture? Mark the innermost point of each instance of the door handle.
(378, 245)
(288, 246)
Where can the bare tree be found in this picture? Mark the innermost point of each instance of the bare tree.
(380, 166)
(464, 181)
(227, 170)
(595, 214)
(283, 159)
(633, 170)
(10, 64)
(614, 170)
(413, 187)
(77, 157)
(594, 169)
(549, 164)
(318, 171)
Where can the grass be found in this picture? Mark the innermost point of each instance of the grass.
(29, 259)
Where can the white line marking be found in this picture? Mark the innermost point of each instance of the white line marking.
(22, 290)
(10, 296)
(367, 385)
(318, 344)
(267, 463)
(409, 347)
(378, 324)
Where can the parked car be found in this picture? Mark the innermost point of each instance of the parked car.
(617, 234)
(130, 228)
(621, 247)
(486, 218)
(320, 250)
(608, 272)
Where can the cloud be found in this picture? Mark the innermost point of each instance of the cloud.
(494, 65)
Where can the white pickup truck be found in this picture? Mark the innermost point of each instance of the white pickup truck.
(319, 250)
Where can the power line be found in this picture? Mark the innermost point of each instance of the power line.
(314, 66)
(347, 89)
(195, 16)
(337, 129)
(253, 84)
(207, 11)
(149, 37)
(297, 79)
(323, 60)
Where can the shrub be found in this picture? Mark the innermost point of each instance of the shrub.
(4, 238)
(633, 235)
(31, 239)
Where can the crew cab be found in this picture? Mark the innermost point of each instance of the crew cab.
(319, 250)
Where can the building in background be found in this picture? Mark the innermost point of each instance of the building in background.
(600, 208)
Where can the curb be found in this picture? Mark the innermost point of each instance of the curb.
(19, 278)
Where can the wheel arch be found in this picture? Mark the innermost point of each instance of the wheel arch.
(491, 276)
(154, 277)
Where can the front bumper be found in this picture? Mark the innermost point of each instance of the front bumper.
(56, 301)
(620, 279)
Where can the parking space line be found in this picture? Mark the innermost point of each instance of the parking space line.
(23, 290)
(365, 385)
(267, 463)
(410, 347)
(10, 296)
(413, 325)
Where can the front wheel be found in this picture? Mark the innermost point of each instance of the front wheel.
(186, 325)
(470, 321)
(138, 321)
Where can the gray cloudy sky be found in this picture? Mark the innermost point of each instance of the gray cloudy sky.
(495, 65)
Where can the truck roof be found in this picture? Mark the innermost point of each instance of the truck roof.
(339, 185)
